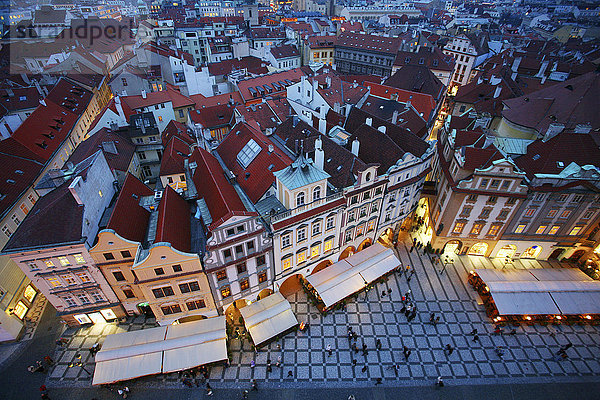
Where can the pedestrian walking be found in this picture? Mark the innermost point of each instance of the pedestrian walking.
(378, 344)
(439, 382)
(407, 354)
(45, 396)
(252, 364)
(49, 360)
(378, 381)
(437, 319)
(254, 385)
(473, 332)
(245, 394)
(354, 362)
(351, 397)
(432, 318)
(449, 348)
(290, 374)
(364, 369)
(209, 391)
(476, 338)
(278, 361)
(329, 351)
(499, 351)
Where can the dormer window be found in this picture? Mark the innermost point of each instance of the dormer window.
(300, 199)
(316, 193)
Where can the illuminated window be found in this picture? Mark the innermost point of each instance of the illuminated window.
(565, 214)
(195, 304)
(20, 310)
(54, 282)
(493, 230)
(315, 250)
(520, 228)
(575, 230)
(371, 225)
(225, 291)
(551, 213)
(359, 231)
(301, 257)
(476, 230)
(24, 208)
(328, 245)
(286, 263)
(529, 212)
(541, 229)
(458, 228)
(64, 261)
(49, 263)
(245, 284)
(79, 259)
(70, 279)
(100, 193)
(221, 275)
(29, 293)
(174, 309)
(553, 230)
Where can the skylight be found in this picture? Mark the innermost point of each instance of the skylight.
(248, 153)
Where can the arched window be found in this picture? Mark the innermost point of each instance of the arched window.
(300, 199)
(316, 193)
(368, 176)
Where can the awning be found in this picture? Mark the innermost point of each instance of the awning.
(352, 274)
(542, 291)
(163, 349)
(268, 317)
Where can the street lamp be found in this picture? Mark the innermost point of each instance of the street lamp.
(78, 363)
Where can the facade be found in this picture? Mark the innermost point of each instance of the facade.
(365, 54)
(465, 55)
(318, 49)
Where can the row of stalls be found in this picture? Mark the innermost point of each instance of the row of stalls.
(538, 295)
(351, 275)
(179, 347)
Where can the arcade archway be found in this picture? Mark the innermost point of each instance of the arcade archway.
(532, 252)
(321, 266)
(452, 247)
(365, 243)
(189, 318)
(264, 293)
(478, 249)
(507, 251)
(291, 285)
(233, 312)
(348, 251)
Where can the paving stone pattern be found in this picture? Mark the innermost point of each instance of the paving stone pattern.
(529, 353)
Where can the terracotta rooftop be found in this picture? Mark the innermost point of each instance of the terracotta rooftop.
(175, 152)
(277, 82)
(371, 43)
(174, 224)
(213, 116)
(117, 150)
(431, 57)
(128, 218)
(284, 51)
(177, 129)
(253, 65)
(169, 95)
(416, 78)
(319, 42)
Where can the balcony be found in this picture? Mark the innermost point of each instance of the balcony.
(429, 188)
(306, 207)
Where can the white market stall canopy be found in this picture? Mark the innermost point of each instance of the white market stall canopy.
(542, 291)
(352, 274)
(268, 317)
(158, 350)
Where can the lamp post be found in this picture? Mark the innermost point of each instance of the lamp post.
(78, 363)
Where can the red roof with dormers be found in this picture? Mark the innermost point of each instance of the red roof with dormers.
(211, 184)
(244, 86)
(174, 225)
(177, 129)
(171, 94)
(128, 218)
(127, 112)
(258, 177)
(45, 129)
(176, 151)
(423, 103)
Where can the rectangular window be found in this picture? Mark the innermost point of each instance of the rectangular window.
(371, 225)
(128, 293)
(485, 213)
(7, 231)
(261, 260)
(262, 276)
(174, 309)
(472, 197)
(540, 230)
(97, 296)
(476, 230)
(301, 233)
(54, 282)
(511, 201)
(250, 247)
(494, 230)
(301, 257)
(108, 256)
(244, 284)
(315, 250)
(354, 200)
(551, 213)
(366, 196)
(351, 216)
(177, 268)
(575, 230)
(505, 185)
(239, 251)
(565, 214)
(24, 208)
(195, 304)
(359, 231)
(520, 228)
(285, 241)
(241, 268)
(163, 292)
(492, 199)
(159, 271)
(70, 279)
(189, 287)
(286, 263)
(79, 259)
(529, 212)
(83, 298)
(225, 291)
(316, 229)
(69, 301)
(483, 184)
(64, 261)
(466, 211)
(588, 214)
(348, 235)
(227, 255)
(553, 230)
(330, 223)
(562, 198)
(125, 254)
(118, 276)
(458, 227)
(495, 183)
(221, 275)
(230, 232)
(328, 245)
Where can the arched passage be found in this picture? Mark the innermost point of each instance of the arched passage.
(387, 238)
(189, 318)
(532, 252)
(577, 255)
(365, 243)
(291, 285)
(478, 249)
(264, 293)
(453, 246)
(233, 312)
(507, 251)
(556, 254)
(321, 266)
(348, 251)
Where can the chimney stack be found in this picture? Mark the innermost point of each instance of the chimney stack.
(395, 117)
(319, 154)
(323, 126)
(144, 94)
(369, 121)
(497, 91)
(355, 147)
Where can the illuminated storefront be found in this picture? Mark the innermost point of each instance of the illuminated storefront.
(96, 317)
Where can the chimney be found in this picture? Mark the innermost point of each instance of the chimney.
(355, 84)
(497, 91)
(395, 117)
(271, 148)
(543, 80)
(514, 76)
(73, 190)
(323, 126)
(337, 108)
(516, 63)
(144, 94)
(268, 131)
(319, 154)
(355, 147)
(381, 129)
(542, 70)
(327, 82)
(369, 121)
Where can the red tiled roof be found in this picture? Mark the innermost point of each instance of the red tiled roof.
(423, 103)
(127, 112)
(177, 129)
(172, 160)
(431, 57)
(212, 185)
(319, 42)
(174, 225)
(15, 157)
(416, 78)
(351, 26)
(19, 98)
(477, 158)
(284, 51)
(169, 95)
(260, 113)
(103, 140)
(167, 52)
(301, 27)
(45, 129)
(214, 116)
(245, 85)
(372, 43)
(203, 101)
(128, 218)
(70, 96)
(474, 138)
(253, 65)
(258, 176)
